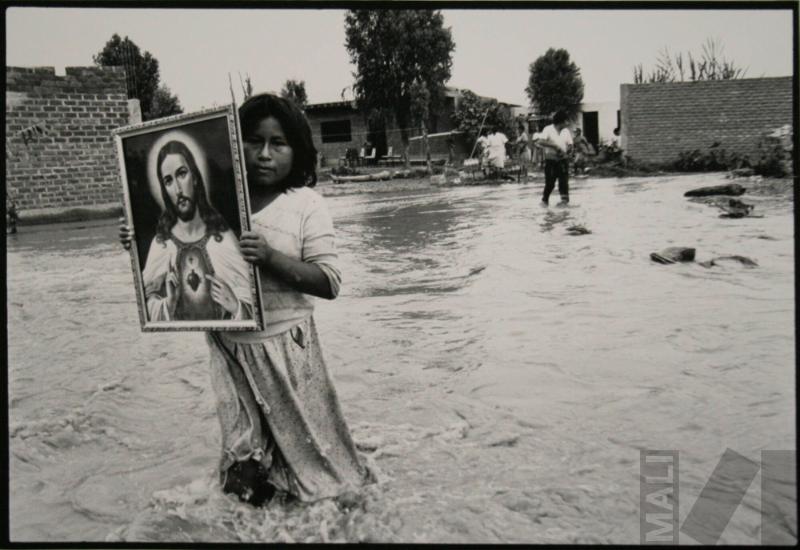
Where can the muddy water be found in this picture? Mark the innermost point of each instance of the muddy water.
(500, 375)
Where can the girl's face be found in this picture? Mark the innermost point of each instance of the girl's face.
(268, 155)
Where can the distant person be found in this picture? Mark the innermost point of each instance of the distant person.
(556, 142)
(496, 142)
(11, 215)
(366, 151)
(583, 149)
(537, 153)
(615, 140)
(523, 147)
(451, 149)
(482, 145)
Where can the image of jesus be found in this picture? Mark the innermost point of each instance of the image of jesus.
(194, 270)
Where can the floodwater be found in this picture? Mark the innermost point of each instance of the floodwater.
(499, 374)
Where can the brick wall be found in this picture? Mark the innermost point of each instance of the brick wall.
(661, 120)
(59, 149)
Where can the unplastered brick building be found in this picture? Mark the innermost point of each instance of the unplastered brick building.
(661, 120)
(340, 125)
(60, 152)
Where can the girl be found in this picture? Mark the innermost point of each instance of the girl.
(281, 423)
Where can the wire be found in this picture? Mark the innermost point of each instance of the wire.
(387, 131)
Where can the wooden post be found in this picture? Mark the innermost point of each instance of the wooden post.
(427, 149)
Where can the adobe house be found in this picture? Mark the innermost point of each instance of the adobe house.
(335, 127)
(596, 120)
(340, 125)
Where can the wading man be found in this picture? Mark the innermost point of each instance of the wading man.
(556, 142)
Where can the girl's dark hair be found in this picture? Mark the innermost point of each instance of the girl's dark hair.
(215, 223)
(296, 128)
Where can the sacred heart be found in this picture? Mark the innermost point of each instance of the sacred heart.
(194, 280)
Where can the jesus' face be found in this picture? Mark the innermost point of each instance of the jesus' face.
(179, 182)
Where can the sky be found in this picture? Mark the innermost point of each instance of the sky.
(198, 49)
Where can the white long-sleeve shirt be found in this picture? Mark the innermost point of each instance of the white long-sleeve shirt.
(298, 224)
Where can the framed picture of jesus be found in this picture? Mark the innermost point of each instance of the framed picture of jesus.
(185, 200)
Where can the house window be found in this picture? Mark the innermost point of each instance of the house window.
(336, 131)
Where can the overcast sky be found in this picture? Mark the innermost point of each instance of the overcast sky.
(196, 49)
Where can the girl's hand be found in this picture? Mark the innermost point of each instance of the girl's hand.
(125, 234)
(223, 294)
(255, 249)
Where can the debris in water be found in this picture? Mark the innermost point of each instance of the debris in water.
(476, 270)
(673, 254)
(728, 189)
(744, 260)
(577, 230)
(505, 441)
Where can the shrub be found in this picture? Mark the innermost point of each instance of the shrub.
(611, 161)
(715, 159)
(772, 159)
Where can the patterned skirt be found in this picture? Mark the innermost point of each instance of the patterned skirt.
(276, 404)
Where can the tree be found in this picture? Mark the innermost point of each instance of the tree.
(709, 65)
(555, 83)
(295, 90)
(142, 75)
(164, 103)
(474, 111)
(398, 53)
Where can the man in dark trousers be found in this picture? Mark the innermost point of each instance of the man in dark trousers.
(556, 142)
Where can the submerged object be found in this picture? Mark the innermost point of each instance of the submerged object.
(735, 208)
(744, 260)
(740, 173)
(673, 254)
(727, 189)
(578, 230)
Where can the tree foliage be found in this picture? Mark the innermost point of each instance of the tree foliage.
(164, 103)
(711, 64)
(474, 110)
(555, 83)
(142, 75)
(295, 90)
(402, 59)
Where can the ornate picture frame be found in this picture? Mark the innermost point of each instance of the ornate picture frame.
(184, 197)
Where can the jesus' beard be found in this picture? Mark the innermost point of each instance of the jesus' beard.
(186, 214)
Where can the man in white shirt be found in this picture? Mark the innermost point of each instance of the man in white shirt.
(556, 141)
